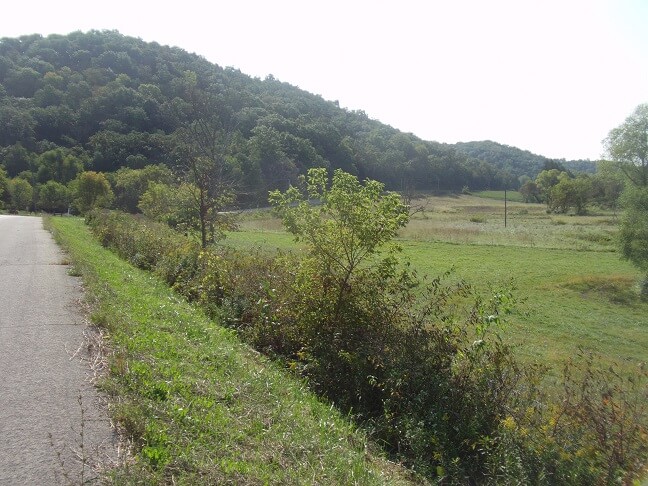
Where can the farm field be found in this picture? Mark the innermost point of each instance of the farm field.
(574, 289)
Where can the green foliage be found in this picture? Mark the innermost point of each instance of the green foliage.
(53, 197)
(354, 326)
(530, 192)
(56, 165)
(4, 186)
(131, 184)
(546, 180)
(16, 159)
(627, 144)
(22, 193)
(633, 234)
(91, 190)
(519, 163)
(568, 193)
(594, 432)
(607, 185)
(350, 223)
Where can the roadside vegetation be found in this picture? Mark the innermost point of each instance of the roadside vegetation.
(422, 365)
(194, 404)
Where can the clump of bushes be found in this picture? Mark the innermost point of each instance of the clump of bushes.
(420, 364)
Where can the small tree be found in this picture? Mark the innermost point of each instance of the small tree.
(627, 145)
(340, 298)
(350, 224)
(570, 193)
(546, 180)
(633, 232)
(203, 146)
(21, 192)
(170, 204)
(530, 192)
(91, 190)
(53, 197)
(131, 184)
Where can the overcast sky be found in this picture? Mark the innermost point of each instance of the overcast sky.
(549, 76)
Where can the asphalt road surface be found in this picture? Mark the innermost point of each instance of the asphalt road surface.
(41, 379)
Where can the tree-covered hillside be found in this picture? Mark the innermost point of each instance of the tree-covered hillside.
(99, 101)
(518, 162)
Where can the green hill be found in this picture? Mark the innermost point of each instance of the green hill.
(518, 162)
(109, 101)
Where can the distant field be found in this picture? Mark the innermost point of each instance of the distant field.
(500, 195)
(578, 291)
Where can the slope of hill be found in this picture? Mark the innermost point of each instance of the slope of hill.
(518, 162)
(110, 101)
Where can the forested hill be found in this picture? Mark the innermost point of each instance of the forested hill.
(101, 100)
(519, 162)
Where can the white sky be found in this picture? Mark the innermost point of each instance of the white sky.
(549, 76)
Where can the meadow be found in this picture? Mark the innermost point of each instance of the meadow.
(573, 288)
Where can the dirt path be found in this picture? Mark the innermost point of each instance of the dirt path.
(41, 329)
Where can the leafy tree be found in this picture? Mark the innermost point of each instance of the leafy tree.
(169, 204)
(131, 184)
(628, 145)
(351, 223)
(633, 232)
(21, 192)
(570, 193)
(343, 282)
(16, 159)
(530, 192)
(607, 185)
(17, 125)
(57, 165)
(22, 82)
(91, 190)
(545, 182)
(53, 197)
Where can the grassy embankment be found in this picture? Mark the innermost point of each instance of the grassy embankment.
(577, 290)
(200, 407)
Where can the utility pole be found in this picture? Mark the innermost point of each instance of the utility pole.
(505, 208)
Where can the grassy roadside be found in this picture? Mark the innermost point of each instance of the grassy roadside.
(200, 407)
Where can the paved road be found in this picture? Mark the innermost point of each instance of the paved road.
(40, 382)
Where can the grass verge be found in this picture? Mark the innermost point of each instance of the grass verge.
(198, 406)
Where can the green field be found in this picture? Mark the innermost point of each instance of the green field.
(576, 290)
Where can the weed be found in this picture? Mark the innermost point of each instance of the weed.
(77, 465)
